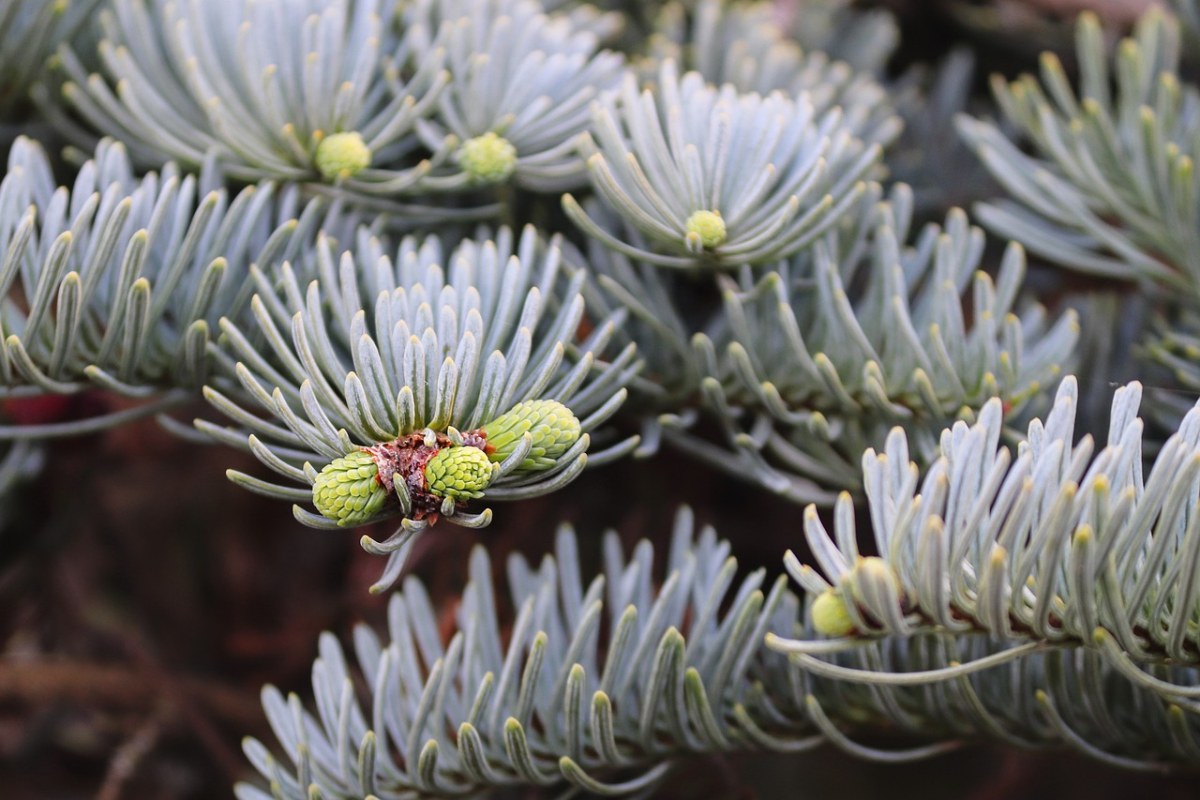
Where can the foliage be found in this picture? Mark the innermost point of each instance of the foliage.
(29, 32)
(342, 223)
(125, 278)
(805, 364)
(516, 74)
(421, 342)
(715, 177)
(609, 674)
(1052, 544)
(1115, 192)
(226, 81)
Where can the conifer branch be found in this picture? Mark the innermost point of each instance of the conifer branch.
(122, 280)
(1111, 187)
(411, 353)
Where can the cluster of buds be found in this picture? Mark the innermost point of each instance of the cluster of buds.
(436, 473)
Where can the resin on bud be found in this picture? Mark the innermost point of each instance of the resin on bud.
(342, 155)
(348, 490)
(489, 158)
(551, 424)
(461, 473)
(829, 615)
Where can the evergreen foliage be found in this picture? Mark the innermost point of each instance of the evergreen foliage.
(1053, 545)
(715, 177)
(803, 365)
(193, 80)
(611, 674)
(29, 32)
(1114, 191)
(124, 278)
(521, 84)
(342, 223)
(370, 347)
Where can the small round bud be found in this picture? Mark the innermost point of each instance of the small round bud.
(347, 491)
(489, 158)
(708, 227)
(342, 155)
(829, 615)
(551, 424)
(461, 473)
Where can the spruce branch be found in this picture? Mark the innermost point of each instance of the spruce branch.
(807, 364)
(741, 44)
(403, 356)
(30, 30)
(601, 685)
(117, 282)
(316, 92)
(1060, 698)
(521, 84)
(1036, 590)
(714, 178)
(1054, 545)
(598, 685)
(833, 352)
(1111, 187)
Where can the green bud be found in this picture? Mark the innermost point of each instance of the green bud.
(708, 227)
(489, 158)
(347, 492)
(553, 427)
(458, 472)
(829, 615)
(342, 155)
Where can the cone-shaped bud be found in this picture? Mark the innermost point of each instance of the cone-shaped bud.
(488, 158)
(458, 472)
(342, 155)
(346, 490)
(553, 427)
(829, 615)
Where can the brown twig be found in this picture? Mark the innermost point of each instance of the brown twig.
(158, 676)
(174, 692)
(129, 756)
(107, 686)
